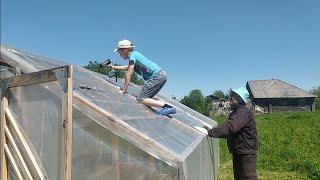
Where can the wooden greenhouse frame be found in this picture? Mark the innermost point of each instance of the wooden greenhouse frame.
(64, 76)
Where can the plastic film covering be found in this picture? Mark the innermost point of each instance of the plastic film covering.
(38, 111)
(27, 61)
(200, 162)
(170, 133)
(98, 153)
(145, 144)
(102, 91)
(6, 72)
(184, 113)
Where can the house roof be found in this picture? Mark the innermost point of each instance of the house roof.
(275, 88)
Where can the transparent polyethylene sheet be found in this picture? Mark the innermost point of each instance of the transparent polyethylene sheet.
(37, 61)
(166, 131)
(184, 113)
(200, 161)
(38, 110)
(98, 153)
(6, 72)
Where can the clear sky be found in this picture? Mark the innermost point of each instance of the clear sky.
(207, 45)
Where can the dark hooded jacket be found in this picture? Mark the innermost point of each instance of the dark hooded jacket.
(240, 131)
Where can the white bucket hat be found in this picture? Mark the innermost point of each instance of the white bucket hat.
(124, 44)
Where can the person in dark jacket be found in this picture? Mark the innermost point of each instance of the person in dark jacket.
(241, 133)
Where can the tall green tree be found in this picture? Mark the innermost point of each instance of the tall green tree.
(97, 67)
(196, 101)
(316, 91)
(218, 93)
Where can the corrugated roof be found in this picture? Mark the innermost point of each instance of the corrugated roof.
(275, 88)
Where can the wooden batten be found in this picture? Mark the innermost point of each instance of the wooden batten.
(13, 162)
(21, 161)
(25, 145)
(4, 166)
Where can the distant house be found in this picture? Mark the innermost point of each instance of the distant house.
(220, 106)
(276, 95)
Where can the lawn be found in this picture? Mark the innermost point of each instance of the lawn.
(289, 146)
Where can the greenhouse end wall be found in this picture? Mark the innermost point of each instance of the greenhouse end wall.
(98, 153)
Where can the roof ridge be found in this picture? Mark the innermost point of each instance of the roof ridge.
(297, 87)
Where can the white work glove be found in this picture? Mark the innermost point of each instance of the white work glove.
(202, 130)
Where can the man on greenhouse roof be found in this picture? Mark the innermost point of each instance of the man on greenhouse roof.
(155, 77)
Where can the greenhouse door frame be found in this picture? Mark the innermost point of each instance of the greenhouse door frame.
(64, 76)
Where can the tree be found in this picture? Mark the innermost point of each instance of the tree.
(136, 79)
(219, 94)
(97, 67)
(316, 91)
(196, 101)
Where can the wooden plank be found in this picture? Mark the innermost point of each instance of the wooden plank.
(4, 167)
(115, 156)
(13, 162)
(26, 172)
(270, 108)
(35, 77)
(24, 143)
(313, 106)
(66, 130)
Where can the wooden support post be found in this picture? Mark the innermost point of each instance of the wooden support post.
(115, 156)
(4, 166)
(66, 130)
(270, 108)
(151, 165)
(313, 106)
(18, 96)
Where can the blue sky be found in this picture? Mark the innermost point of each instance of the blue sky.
(207, 45)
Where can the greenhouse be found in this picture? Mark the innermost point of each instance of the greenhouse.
(62, 121)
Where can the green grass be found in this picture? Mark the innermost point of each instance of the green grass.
(289, 146)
